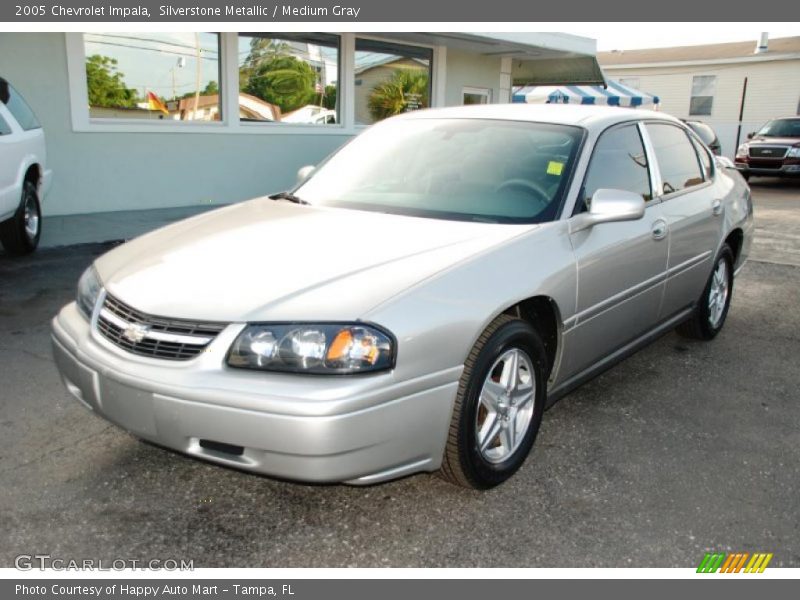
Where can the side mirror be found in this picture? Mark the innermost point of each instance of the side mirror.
(304, 173)
(750, 135)
(725, 162)
(609, 206)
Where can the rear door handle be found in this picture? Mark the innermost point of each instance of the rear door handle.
(659, 229)
(716, 208)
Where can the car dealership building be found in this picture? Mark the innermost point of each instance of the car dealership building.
(150, 121)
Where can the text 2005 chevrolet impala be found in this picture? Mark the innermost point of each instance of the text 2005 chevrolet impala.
(418, 300)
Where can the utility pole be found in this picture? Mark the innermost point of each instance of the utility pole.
(197, 77)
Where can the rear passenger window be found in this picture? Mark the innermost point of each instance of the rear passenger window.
(618, 162)
(17, 106)
(676, 156)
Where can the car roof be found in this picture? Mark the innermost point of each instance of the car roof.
(587, 116)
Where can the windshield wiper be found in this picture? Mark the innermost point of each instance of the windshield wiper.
(288, 196)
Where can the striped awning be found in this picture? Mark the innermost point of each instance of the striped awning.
(615, 95)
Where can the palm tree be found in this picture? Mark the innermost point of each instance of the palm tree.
(405, 90)
(284, 81)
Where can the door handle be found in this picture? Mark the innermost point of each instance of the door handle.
(716, 207)
(659, 229)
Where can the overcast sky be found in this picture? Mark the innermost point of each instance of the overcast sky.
(626, 36)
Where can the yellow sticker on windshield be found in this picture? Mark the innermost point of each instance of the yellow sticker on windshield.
(554, 168)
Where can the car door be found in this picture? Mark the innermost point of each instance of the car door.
(620, 266)
(9, 141)
(691, 209)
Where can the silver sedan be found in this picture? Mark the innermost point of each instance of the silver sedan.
(418, 300)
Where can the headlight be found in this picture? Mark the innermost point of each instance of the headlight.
(89, 286)
(794, 152)
(319, 348)
(743, 149)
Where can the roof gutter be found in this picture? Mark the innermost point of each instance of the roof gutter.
(706, 62)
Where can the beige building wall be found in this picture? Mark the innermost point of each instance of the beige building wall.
(773, 90)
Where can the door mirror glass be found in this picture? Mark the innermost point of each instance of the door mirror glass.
(304, 173)
(608, 206)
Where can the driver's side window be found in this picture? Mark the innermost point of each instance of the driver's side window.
(618, 162)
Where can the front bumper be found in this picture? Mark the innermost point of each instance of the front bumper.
(360, 430)
(786, 170)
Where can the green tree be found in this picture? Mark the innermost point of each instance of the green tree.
(405, 90)
(283, 80)
(329, 100)
(212, 87)
(106, 84)
(261, 49)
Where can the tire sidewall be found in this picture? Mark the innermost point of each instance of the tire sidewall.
(29, 191)
(515, 334)
(709, 330)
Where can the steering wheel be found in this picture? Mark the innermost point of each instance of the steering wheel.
(536, 191)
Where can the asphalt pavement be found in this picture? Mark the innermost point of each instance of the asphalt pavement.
(684, 448)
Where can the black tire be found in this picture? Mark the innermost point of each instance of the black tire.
(746, 176)
(15, 239)
(464, 464)
(700, 326)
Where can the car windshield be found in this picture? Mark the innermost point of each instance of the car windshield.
(459, 169)
(781, 128)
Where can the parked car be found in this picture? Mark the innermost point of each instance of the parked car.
(707, 134)
(772, 151)
(418, 300)
(24, 179)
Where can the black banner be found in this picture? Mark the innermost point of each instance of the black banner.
(394, 589)
(374, 11)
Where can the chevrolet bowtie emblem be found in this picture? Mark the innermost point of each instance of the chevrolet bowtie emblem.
(135, 332)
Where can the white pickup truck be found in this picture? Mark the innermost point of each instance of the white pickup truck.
(24, 179)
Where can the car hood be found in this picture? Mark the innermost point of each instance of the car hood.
(268, 260)
(782, 141)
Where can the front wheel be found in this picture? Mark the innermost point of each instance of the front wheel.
(498, 407)
(20, 234)
(712, 309)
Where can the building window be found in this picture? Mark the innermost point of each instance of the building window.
(631, 82)
(153, 76)
(289, 78)
(472, 95)
(390, 79)
(702, 95)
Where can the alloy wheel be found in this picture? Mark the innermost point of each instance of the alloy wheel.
(506, 406)
(718, 294)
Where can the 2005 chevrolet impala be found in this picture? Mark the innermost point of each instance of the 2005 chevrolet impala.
(417, 300)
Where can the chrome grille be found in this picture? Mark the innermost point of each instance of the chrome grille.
(768, 151)
(156, 337)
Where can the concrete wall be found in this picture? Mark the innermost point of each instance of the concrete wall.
(98, 172)
(471, 70)
(773, 90)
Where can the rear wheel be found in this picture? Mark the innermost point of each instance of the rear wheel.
(712, 309)
(498, 407)
(20, 234)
